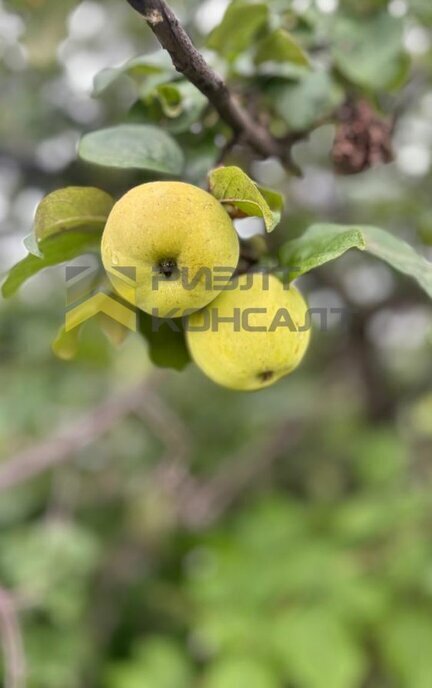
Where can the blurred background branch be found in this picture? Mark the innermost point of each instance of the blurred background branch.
(11, 641)
(65, 444)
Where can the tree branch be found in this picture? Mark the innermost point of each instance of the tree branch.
(188, 61)
(65, 444)
(11, 642)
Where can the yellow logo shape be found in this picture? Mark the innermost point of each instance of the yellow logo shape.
(105, 304)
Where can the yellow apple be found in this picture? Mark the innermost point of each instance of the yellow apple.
(252, 334)
(177, 242)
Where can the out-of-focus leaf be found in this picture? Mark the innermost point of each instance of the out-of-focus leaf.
(173, 105)
(170, 99)
(280, 46)
(114, 330)
(200, 158)
(419, 416)
(406, 642)
(239, 26)
(370, 52)
(75, 207)
(56, 658)
(231, 631)
(233, 672)
(167, 346)
(156, 663)
(133, 146)
(425, 227)
(49, 563)
(304, 103)
(55, 250)
(137, 68)
(365, 518)
(284, 70)
(232, 186)
(71, 210)
(182, 103)
(275, 201)
(325, 242)
(316, 650)
(317, 246)
(45, 28)
(66, 344)
(380, 457)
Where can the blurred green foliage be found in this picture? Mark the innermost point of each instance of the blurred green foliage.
(319, 575)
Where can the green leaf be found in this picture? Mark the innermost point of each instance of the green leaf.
(113, 330)
(319, 245)
(66, 344)
(280, 46)
(370, 52)
(55, 658)
(182, 103)
(302, 104)
(316, 650)
(156, 663)
(380, 458)
(325, 242)
(233, 672)
(170, 99)
(274, 200)
(406, 642)
(232, 186)
(136, 68)
(174, 106)
(425, 227)
(44, 30)
(133, 146)
(56, 249)
(166, 342)
(238, 28)
(49, 563)
(75, 207)
(283, 70)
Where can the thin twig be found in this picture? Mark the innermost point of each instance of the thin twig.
(196, 502)
(167, 426)
(189, 61)
(11, 641)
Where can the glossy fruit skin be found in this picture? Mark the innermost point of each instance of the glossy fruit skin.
(160, 225)
(269, 344)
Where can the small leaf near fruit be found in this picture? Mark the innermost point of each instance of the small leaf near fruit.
(55, 250)
(280, 46)
(232, 187)
(75, 207)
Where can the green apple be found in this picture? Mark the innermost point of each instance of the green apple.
(176, 240)
(252, 334)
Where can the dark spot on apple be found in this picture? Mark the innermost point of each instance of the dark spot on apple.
(266, 375)
(168, 268)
